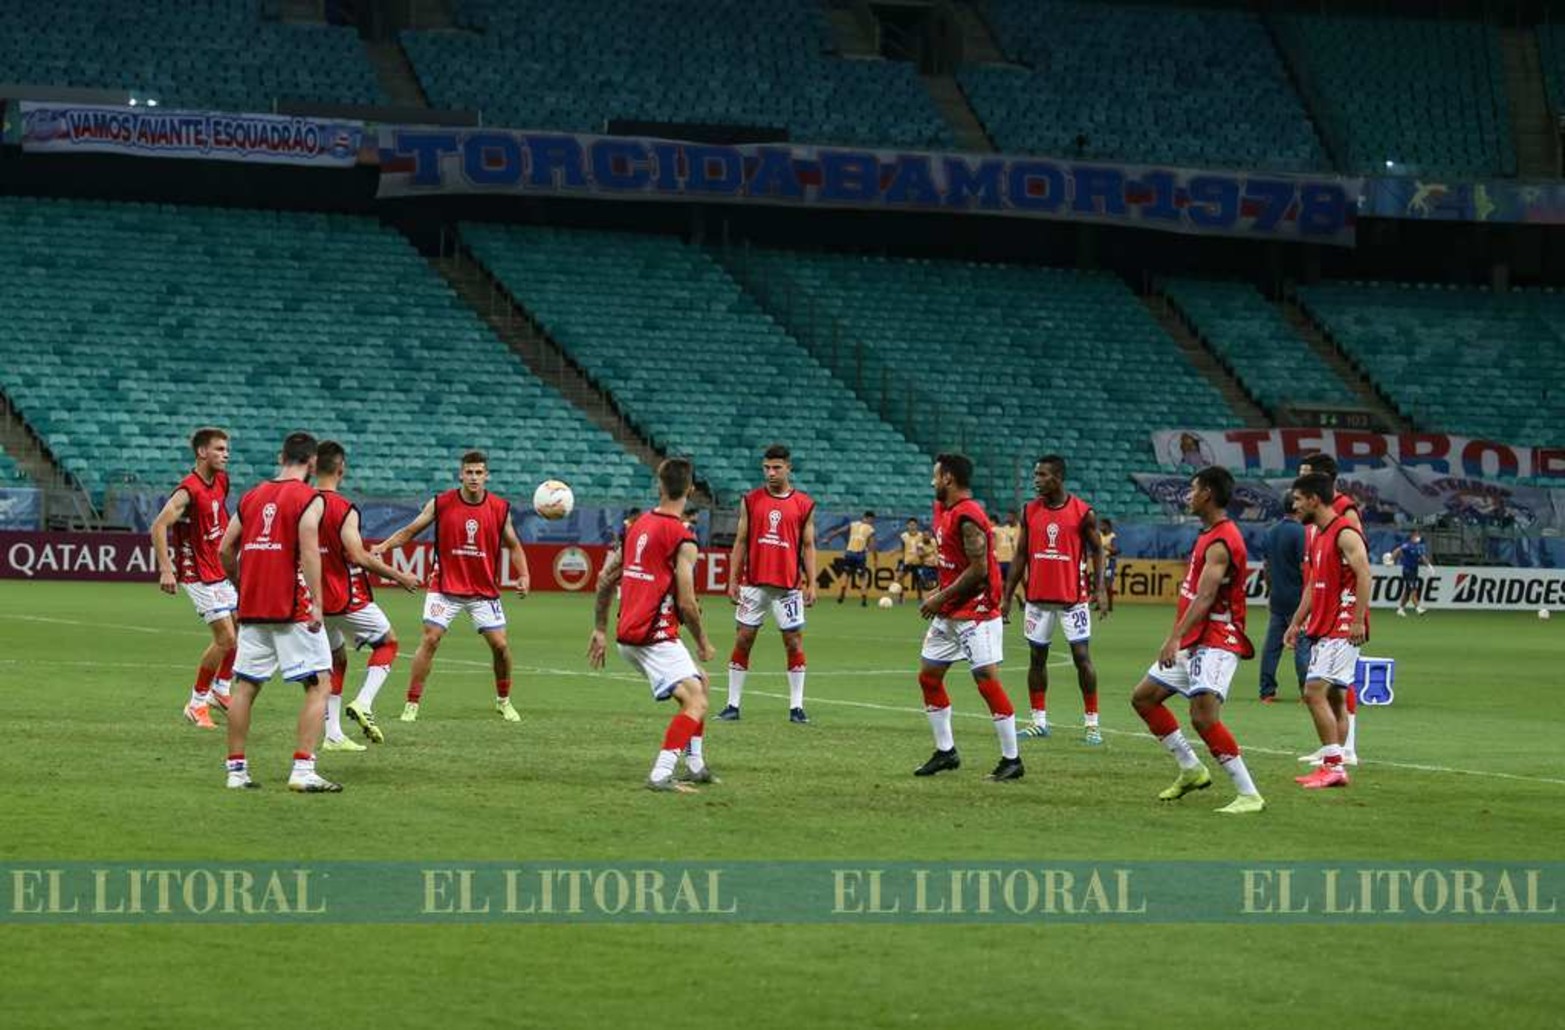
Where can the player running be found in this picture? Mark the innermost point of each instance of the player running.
(1202, 652)
(1336, 607)
(910, 572)
(1413, 556)
(272, 548)
(774, 549)
(655, 573)
(471, 525)
(351, 611)
(1345, 506)
(1059, 532)
(197, 511)
(856, 556)
(964, 619)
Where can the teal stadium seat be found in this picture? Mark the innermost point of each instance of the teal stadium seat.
(1468, 361)
(1428, 95)
(130, 324)
(1145, 84)
(1250, 336)
(700, 369)
(1028, 360)
(540, 64)
(218, 54)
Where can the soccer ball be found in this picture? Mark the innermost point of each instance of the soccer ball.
(884, 602)
(1544, 613)
(894, 589)
(553, 499)
(1385, 559)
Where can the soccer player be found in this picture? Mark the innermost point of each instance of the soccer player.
(272, 548)
(655, 574)
(855, 557)
(350, 606)
(1058, 533)
(1412, 555)
(471, 525)
(774, 550)
(1284, 575)
(910, 574)
(1005, 536)
(964, 619)
(197, 512)
(1110, 541)
(1343, 505)
(1200, 655)
(1336, 608)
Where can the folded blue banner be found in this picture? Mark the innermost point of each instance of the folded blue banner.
(715, 892)
(417, 161)
(159, 132)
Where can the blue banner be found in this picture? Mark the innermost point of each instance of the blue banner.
(21, 508)
(1532, 203)
(418, 161)
(157, 132)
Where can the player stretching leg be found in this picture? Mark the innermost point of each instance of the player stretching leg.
(1336, 609)
(274, 539)
(1200, 656)
(1058, 531)
(350, 605)
(1343, 505)
(774, 548)
(964, 616)
(197, 512)
(471, 524)
(655, 573)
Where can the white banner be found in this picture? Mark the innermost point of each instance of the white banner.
(1252, 451)
(159, 132)
(1457, 588)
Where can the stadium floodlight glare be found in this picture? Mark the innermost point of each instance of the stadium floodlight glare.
(151, 102)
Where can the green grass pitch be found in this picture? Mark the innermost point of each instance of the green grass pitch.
(97, 765)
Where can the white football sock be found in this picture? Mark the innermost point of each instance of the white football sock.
(198, 698)
(663, 768)
(1350, 742)
(1180, 748)
(334, 717)
(735, 685)
(374, 679)
(796, 688)
(1005, 729)
(222, 688)
(940, 722)
(1237, 772)
(1090, 719)
(303, 767)
(695, 755)
(1040, 718)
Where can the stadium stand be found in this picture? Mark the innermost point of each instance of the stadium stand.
(1467, 361)
(1257, 345)
(12, 474)
(1551, 52)
(698, 367)
(1145, 84)
(129, 324)
(1043, 359)
(1427, 95)
(217, 54)
(573, 66)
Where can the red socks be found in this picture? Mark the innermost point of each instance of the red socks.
(1159, 720)
(1089, 703)
(415, 690)
(796, 661)
(1039, 699)
(339, 671)
(384, 654)
(225, 672)
(995, 697)
(203, 680)
(738, 659)
(935, 696)
(502, 688)
(1220, 742)
(1353, 700)
(680, 729)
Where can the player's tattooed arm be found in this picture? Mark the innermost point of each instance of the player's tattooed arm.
(423, 521)
(173, 509)
(1212, 576)
(228, 550)
(685, 598)
(608, 580)
(975, 544)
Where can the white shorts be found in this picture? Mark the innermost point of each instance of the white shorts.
(977, 643)
(289, 648)
(368, 625)
(786, 606)
(1334, 660)
(440, 610)
(1041, 619)
(214, 601)
(1201, 670)
(665, 664)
